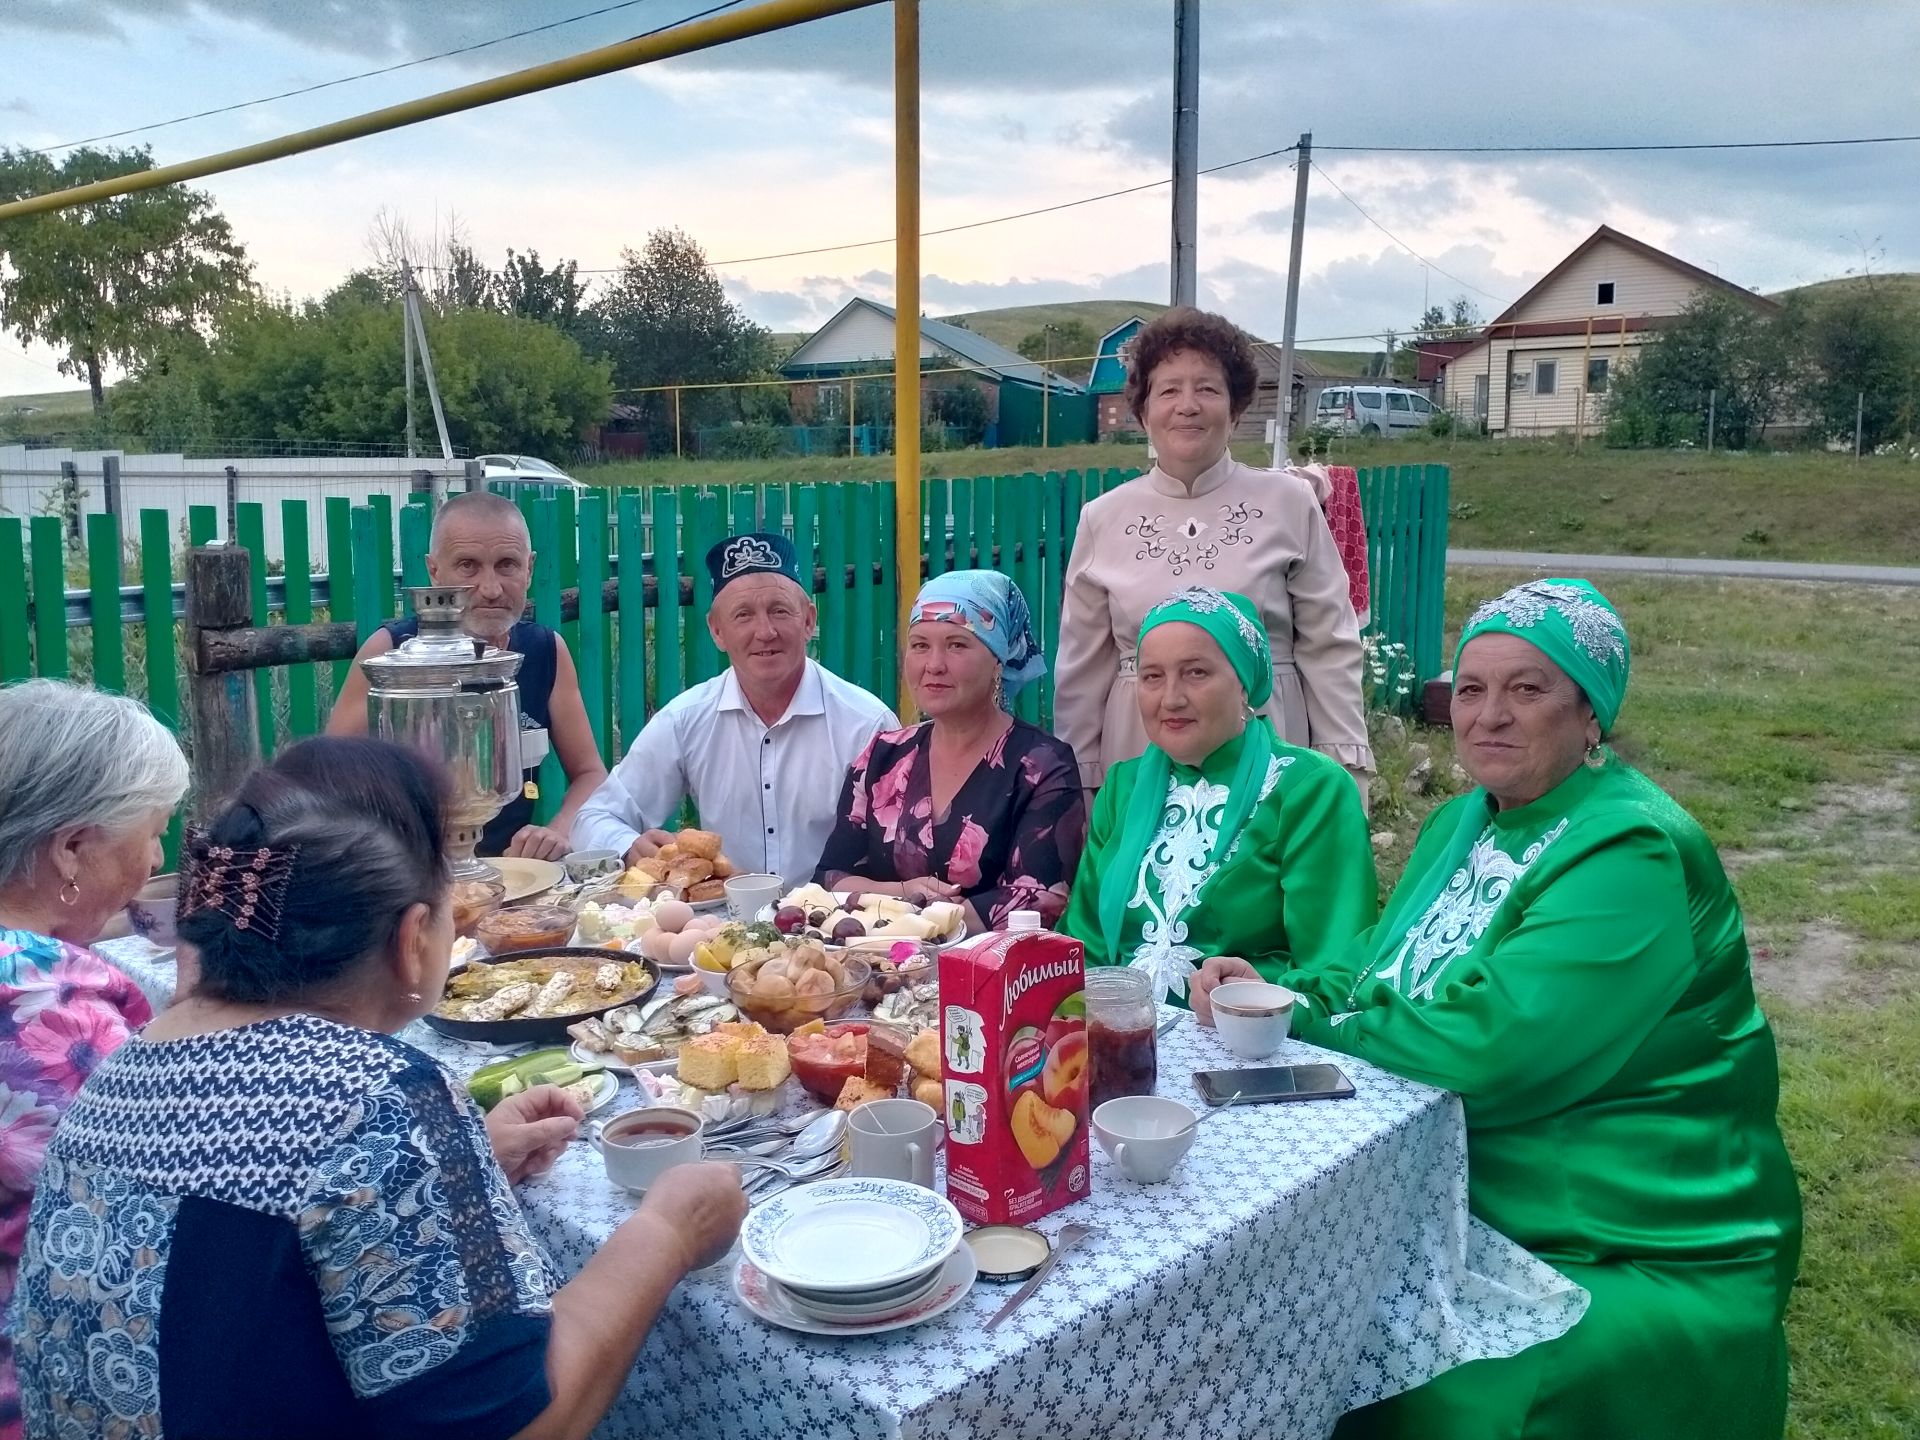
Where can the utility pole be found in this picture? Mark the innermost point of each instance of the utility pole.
(410, 308)
(1283, 417)
(1045, 396)
(406, 335)
(1186, 148)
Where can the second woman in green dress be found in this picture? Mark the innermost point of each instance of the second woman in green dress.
(1222, 839)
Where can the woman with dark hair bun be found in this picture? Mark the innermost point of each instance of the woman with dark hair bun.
(265, 1215)
(1200, 517)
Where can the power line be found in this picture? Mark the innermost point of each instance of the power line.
(1401, 243)
(366, 74)
(973, 224)
(1613, 149)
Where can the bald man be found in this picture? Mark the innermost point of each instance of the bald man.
(480, 539)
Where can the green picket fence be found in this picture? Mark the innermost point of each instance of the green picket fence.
(632, 657)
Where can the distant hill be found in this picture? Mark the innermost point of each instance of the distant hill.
(1010, 326)
(48, 405)
(1900, 285)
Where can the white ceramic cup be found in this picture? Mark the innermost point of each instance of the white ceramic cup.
(893, 1140)
(748, 895)
(1145, 1135)
(635, 1161)
(583, 867)
(1252, 1016)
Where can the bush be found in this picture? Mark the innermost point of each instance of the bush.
(743, 442)
(1315, 443)
(1443, 424)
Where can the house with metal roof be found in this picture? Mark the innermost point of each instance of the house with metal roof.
(859, 339)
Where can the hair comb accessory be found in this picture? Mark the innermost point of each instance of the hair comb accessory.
(248, 887)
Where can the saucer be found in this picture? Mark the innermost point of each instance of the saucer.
(767, 1301)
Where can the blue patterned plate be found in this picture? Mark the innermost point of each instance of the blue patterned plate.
(851, 1235)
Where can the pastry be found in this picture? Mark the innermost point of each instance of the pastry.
(928, 1092)
(702, 844)
(702, 891)
(923, 1054)
(859, 1091)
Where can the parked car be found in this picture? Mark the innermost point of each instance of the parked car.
(1388, 410)
(527, 469)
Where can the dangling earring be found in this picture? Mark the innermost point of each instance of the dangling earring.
(70, 893)
(414, 997)
(1596, 756)
(1000, 691)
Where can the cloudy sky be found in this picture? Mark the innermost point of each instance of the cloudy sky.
(785, 142)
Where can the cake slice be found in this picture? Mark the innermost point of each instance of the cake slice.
(886, 1059)
(710, 1062)
(762, 1062)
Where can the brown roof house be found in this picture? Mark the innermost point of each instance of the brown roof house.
(1544, 364)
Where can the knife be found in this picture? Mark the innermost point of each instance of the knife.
(1070, 1235)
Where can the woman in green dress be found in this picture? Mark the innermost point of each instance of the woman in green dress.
(1222, 839)
(1565, 952)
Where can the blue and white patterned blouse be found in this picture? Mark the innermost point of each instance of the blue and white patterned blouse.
(294, 1228)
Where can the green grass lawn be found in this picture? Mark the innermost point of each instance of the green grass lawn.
(1513, 495)
(1782, 716)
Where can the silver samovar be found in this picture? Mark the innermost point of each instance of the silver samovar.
(454, 698)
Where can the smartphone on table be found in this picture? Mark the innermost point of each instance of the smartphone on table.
(1263, 1084)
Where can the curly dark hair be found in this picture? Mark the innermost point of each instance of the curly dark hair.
(1184, 328)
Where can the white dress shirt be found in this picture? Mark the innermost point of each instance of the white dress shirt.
(770, 792)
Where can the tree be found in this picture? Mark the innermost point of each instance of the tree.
(554, 297)
(1457, 320)
(333, 370)
(1863, 349)
(1066, 342)
(109, 283)
(1722, 359)
(665, 320)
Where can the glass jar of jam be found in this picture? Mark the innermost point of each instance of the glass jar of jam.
(1122, 1049)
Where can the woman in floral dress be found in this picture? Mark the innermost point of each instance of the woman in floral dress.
(971, 804)
(87, 781)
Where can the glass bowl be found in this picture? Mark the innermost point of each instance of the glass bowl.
(782, 1003)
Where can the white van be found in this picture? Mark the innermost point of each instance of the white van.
(1388, 410)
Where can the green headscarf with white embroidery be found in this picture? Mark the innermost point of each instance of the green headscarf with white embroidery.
(1573, 625)
(1235, 625)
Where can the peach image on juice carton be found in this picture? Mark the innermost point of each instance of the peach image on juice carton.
(1013, 1042)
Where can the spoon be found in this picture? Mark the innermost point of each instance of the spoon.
(791, 1169)
(1202, 1118)
(820, 1136)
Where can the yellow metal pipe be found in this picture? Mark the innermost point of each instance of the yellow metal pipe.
(906, 327)
(681, 40)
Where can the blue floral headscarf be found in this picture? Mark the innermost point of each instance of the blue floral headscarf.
(992, 608)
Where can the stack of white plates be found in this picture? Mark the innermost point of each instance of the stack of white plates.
(853, 1257)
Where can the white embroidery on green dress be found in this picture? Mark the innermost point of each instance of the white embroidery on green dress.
(1458, 916)
(1596, 629)
(1177, 860)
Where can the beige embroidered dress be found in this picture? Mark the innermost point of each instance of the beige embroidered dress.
(1259, 532)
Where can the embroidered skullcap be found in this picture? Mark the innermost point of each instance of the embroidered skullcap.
(991, 607)
(1573, 625)
(760, 552)
(1235, 626)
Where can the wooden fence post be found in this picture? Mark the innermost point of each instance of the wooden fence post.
(476, 475)
(233, 501)
(226, 727)
(110, 484)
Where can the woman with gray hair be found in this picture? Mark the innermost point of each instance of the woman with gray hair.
(87, 783)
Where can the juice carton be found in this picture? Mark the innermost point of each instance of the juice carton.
(1013, 1040)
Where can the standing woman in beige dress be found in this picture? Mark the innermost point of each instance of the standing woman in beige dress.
(1200, 517)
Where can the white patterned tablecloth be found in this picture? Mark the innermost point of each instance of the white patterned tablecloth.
(1305, 1259)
